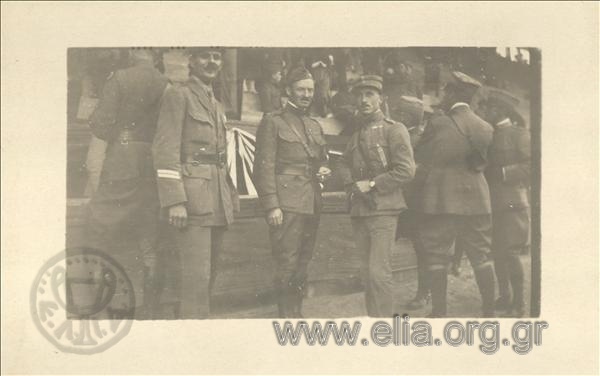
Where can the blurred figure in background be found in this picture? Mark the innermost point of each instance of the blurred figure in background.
(410, 112)
(269, 87)
(321, 72)
(508, 175)
(100, 65)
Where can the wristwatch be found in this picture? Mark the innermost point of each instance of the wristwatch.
(371, 183)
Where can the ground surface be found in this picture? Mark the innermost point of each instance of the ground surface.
(463, 299)
(243, 287)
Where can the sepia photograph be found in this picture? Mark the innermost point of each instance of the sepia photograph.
(308, 182)
(383, 187)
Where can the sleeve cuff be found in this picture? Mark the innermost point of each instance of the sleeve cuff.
(269, 202)
(171, 192)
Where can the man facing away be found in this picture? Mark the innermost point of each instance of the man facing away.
(126, 198)
(452, 196)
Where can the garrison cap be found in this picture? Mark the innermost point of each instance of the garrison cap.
(298, 74)
(502, 97)
(370, 80)
(464, 83)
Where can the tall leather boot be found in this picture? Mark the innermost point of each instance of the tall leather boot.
(152, 292)
(516, 280)
(439, 286)
(423, 295)
(285, 302)
(297, 294)
(484, 275)
(503, 303)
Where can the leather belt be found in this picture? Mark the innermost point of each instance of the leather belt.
(219, 159)
(298, 170)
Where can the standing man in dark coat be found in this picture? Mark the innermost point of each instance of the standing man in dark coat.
(410, 111)
(508, 175)
(377, 163)
(195, 190)
(126, 199)
(269, 87)
(452, 195)
(290, 160)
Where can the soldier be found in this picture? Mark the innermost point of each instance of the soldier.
(410, 112)
(377, 163)
(290, 159)
(453, 197)
(195, 190)
(126, 199)
(508, 178)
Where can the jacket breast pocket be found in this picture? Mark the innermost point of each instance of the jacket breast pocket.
(197, 183)
(292, 191)
(379, 155)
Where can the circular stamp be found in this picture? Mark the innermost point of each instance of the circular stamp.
(82, 301)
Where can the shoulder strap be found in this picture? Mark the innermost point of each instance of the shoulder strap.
(463, 132)
(307, 149)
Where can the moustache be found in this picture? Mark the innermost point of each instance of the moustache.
(212, 67)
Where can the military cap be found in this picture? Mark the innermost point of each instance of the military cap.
(464, 83)
(497, 96)
(411, 104)
(298, 74)
(370, 80)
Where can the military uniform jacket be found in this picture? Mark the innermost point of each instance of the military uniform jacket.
(284, 173)
(191, 133)
(126, 119)
(508, 173)
(450, 159)
(379, 150)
